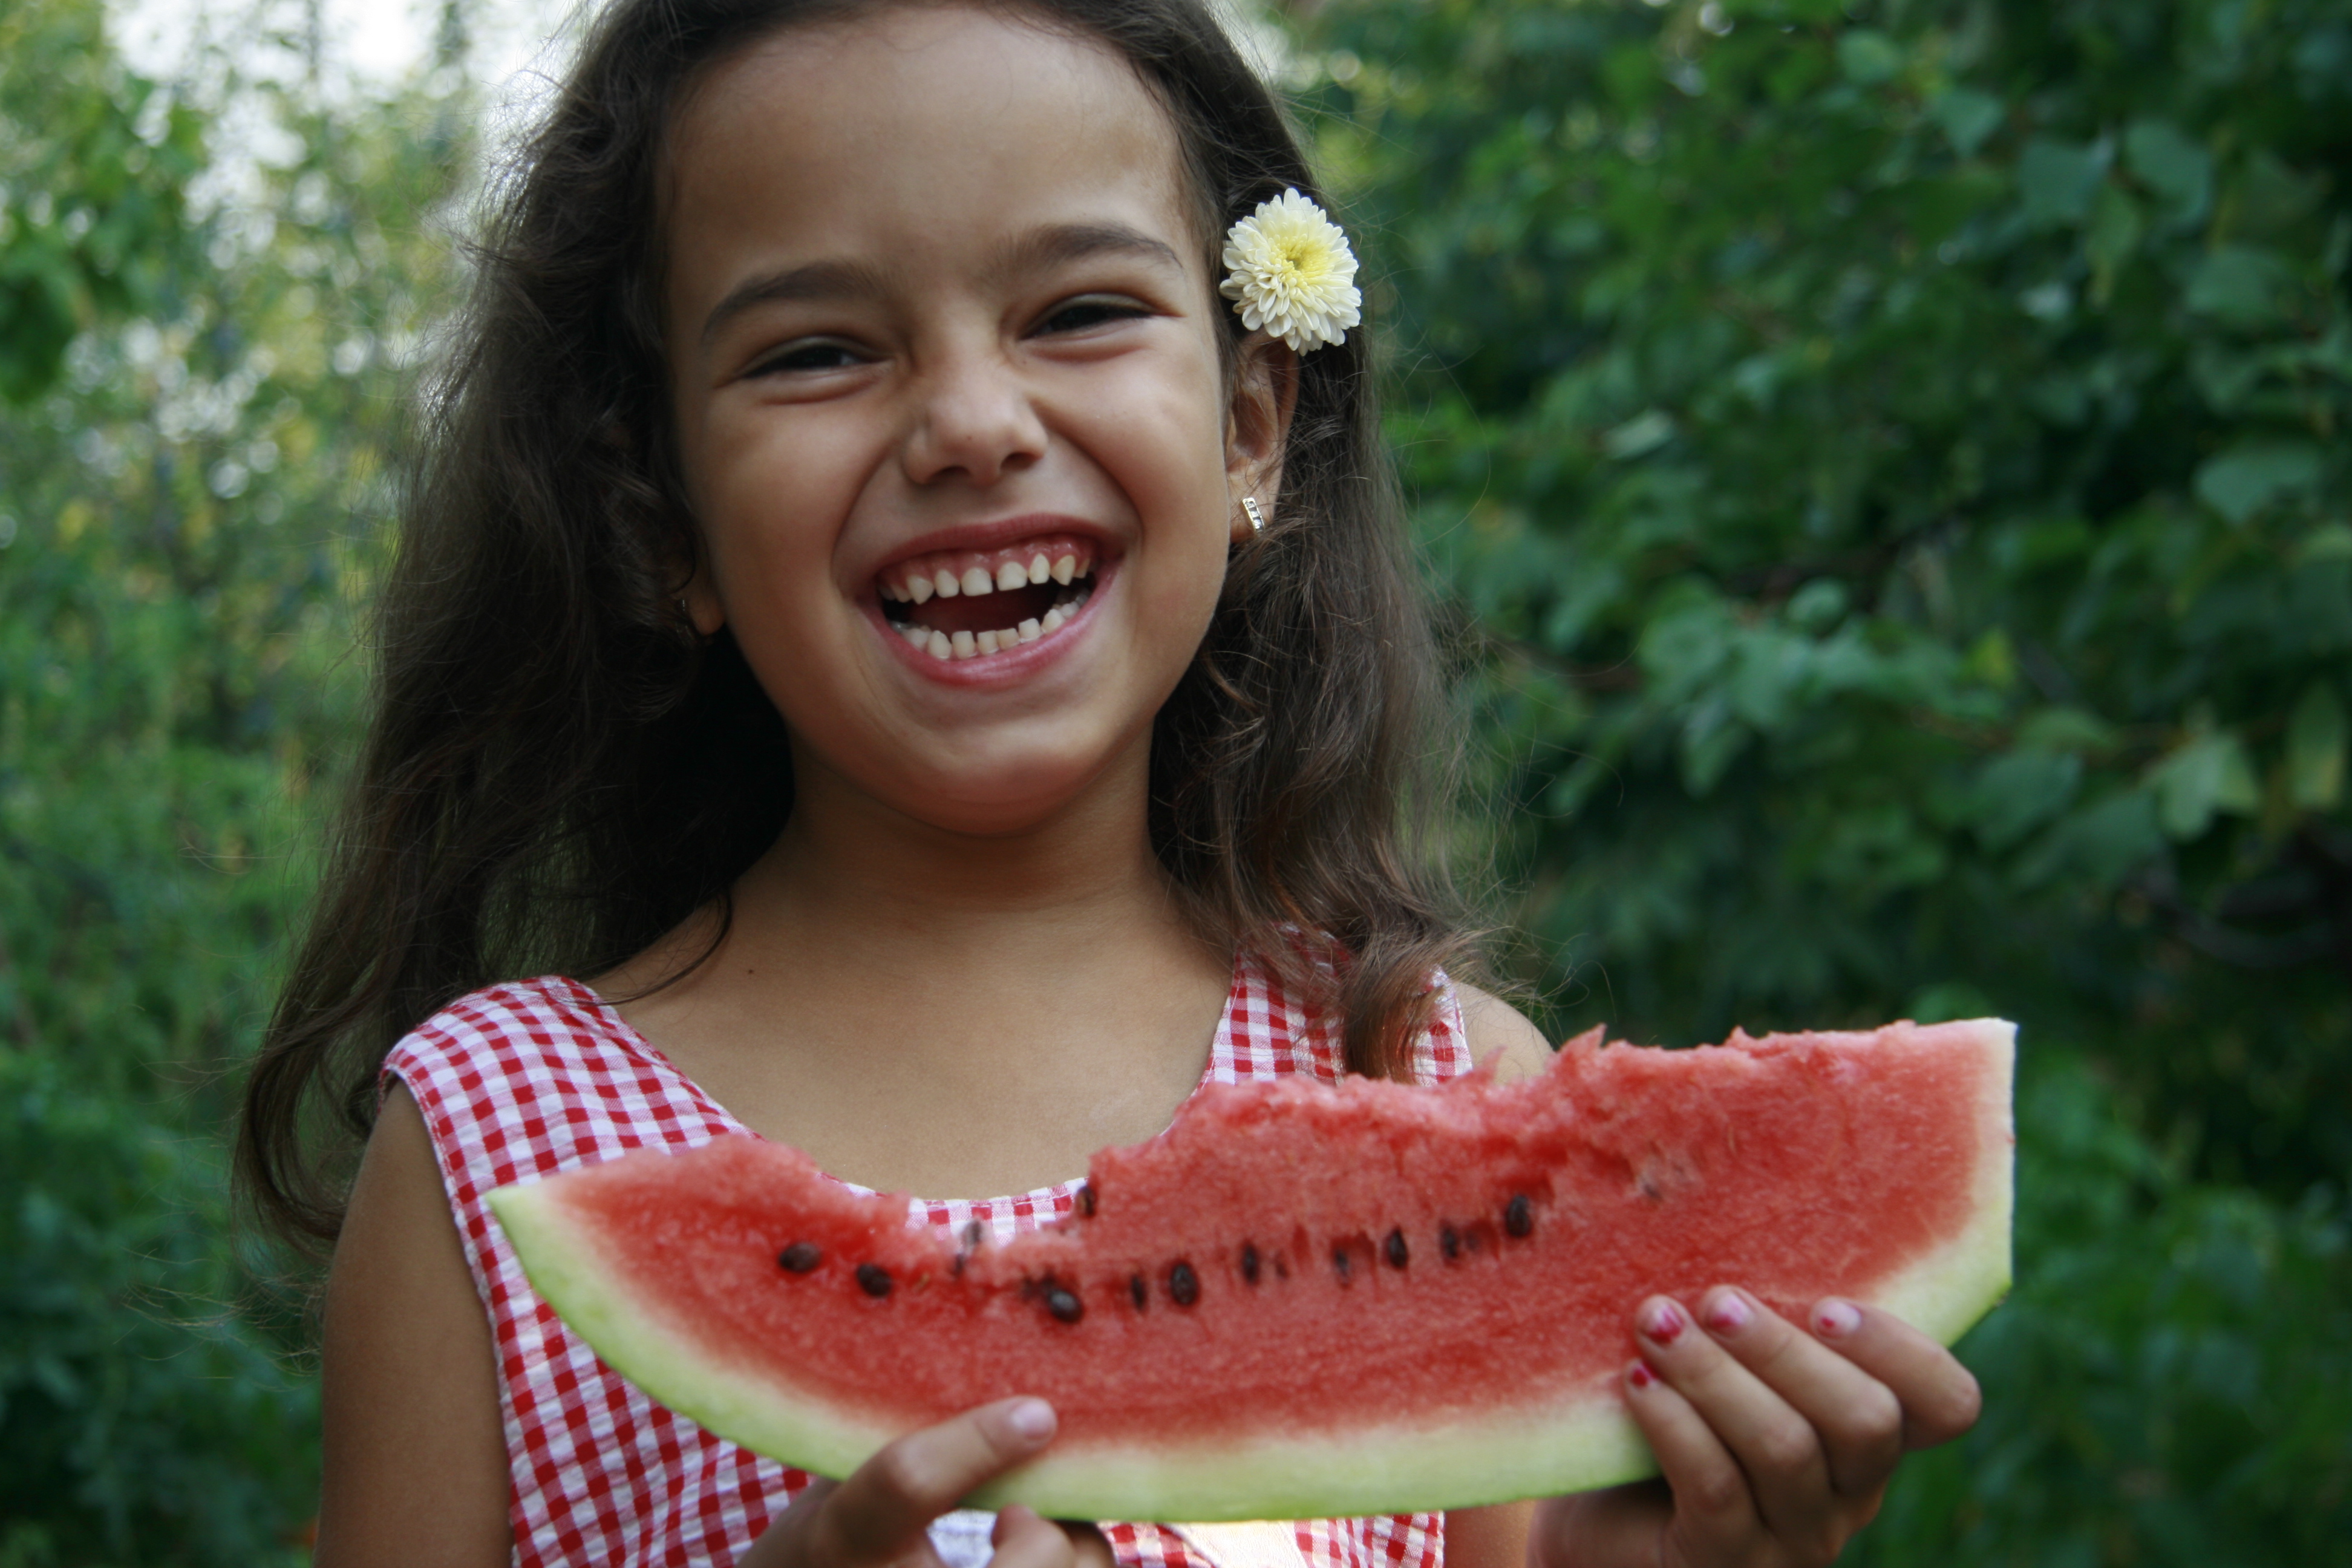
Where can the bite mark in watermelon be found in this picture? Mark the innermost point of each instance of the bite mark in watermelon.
(1301, 1301)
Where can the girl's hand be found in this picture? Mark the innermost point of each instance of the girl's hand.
(881, 1515)
(1776, 1442)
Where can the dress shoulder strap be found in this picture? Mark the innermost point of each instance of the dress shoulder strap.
(1268, 1032)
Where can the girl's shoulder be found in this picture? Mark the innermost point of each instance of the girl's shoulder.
(532, 1077)
(1494, 1031)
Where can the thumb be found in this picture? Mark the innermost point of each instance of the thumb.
(880, 1514)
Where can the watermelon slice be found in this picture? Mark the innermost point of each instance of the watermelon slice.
(1303, 1301)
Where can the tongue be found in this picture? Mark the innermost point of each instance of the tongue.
(977, 612)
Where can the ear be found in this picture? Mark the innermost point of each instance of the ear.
(1257, 425)
(696, 594)
(700, 597)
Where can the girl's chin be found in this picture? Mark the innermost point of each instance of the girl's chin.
(1005, 785)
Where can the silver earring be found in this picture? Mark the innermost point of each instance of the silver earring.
(1257, 518)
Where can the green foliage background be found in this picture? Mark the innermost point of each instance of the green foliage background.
(1882, 467)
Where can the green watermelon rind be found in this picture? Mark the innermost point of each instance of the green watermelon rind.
(1498, 1456)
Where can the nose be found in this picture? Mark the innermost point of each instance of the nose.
(974, 421)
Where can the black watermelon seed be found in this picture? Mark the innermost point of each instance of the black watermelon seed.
(801, 1257)
(1249, 1262)
(1142, 1292)
(1340, 1260)
(973, 1235)
(1396, 1249)
(1183, 1285)
(873, 1279)
(1449, 1241)
(1518, 1219)
(1087, 1202)
(1065, 1306)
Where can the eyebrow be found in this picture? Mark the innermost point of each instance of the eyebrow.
(814, 280)
(1054, 245)
(1062, 243)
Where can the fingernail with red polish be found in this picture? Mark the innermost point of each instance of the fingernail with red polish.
(1833, 1319)
(1640, 1375)
(1728, 1312)
(1663, 1321)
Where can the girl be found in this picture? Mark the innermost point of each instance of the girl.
(875, 612)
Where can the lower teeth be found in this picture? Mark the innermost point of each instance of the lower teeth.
(969, 645)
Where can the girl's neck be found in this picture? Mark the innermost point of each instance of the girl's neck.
(959, 1015)
(849, 864)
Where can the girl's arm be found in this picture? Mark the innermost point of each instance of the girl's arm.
(1493, 1537)
(416, 1458)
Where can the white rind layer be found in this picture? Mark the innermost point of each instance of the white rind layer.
(1407, 1467)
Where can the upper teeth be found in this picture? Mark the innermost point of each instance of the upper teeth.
(948, 583)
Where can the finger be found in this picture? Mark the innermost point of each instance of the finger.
(1856, 1419)
(1022, 1539)
(883, 1509)
(1941, 1398)
(775, 1545)
(1775, 1447)
(1714, 1514)
(1088, 1546)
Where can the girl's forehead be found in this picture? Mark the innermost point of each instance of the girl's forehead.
(911, 129)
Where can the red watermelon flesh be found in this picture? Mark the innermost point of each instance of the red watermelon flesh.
(1303, 1300)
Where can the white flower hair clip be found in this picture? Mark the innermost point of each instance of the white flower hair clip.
(1292, 274)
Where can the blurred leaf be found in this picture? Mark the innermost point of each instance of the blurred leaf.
(1969, 118)
(2315, 741)
(2056, 180)
(2175, 168)
(2210, 772)
(1868, 57)
(2244, 479)
(2240, 285)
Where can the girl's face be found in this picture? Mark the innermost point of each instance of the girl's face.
(946, 373)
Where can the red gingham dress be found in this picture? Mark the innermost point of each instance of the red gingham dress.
(530, 1079)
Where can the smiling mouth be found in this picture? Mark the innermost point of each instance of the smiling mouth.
(964, 603)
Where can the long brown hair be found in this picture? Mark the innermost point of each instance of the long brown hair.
(559, 771)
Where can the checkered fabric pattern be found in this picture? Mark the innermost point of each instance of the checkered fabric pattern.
(539, 1077)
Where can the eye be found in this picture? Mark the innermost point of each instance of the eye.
(813, 354)
(1092, 311)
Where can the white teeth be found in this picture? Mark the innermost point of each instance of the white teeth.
(978, 580)
(964, 644)
(890, 591)
(939, 646)
(1009, 576)
(1039, 567)
(945, 582)
(1053, 621)
(918, 589)
(917, 636)
(1030, 630)
(986, 641)
(1065, 569)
